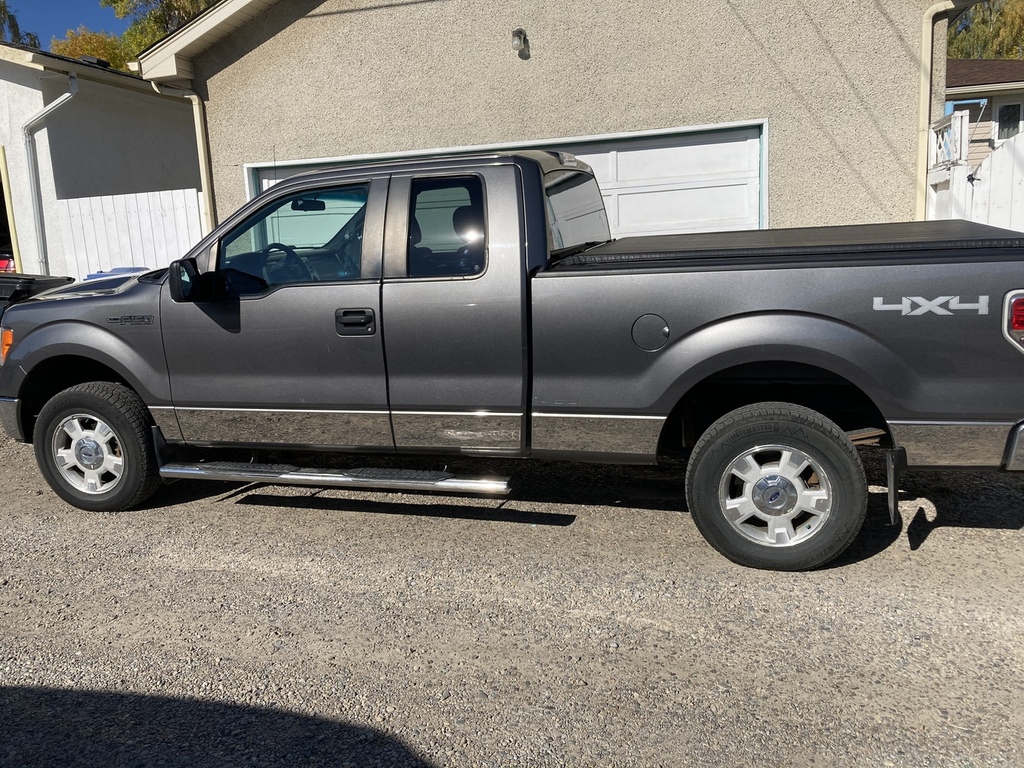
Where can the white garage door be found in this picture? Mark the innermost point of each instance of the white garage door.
(702, 182)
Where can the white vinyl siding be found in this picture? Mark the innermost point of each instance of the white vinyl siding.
(138, 230)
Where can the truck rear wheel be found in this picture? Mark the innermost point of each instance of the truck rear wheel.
(94, 448)
(776, 486)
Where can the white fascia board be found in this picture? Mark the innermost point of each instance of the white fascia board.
(43, 63)
(170, 60)
(981, 90)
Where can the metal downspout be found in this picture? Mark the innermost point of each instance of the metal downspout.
(924, 101)
(35, 188)
(203, 147)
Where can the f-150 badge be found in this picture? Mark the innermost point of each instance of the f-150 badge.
(944, 305)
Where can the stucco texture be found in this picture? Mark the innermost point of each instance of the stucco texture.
(836, 81)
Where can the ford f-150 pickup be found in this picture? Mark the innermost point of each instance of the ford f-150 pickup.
(477, 306)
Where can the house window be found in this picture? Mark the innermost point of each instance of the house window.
(1008, 117)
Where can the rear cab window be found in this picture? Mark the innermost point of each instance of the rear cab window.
(447, 232)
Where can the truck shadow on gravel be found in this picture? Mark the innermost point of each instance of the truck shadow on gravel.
(47, 726)
(983, 500)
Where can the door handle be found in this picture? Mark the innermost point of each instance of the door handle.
(355, 322)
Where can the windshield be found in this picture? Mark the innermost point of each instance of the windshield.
(576, 214)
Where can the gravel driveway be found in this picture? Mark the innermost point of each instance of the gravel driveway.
(583, 622)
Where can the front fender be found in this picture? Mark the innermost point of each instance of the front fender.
(135, 353)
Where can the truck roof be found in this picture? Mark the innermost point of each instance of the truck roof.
(548, 160)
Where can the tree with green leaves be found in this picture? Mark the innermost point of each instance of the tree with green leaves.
(152, 20)
(10, 31)
(149, 21)
(990, 30)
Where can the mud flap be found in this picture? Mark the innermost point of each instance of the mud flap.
(895, 463)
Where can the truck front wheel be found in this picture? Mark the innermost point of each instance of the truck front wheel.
(776, 486)
(94, 447)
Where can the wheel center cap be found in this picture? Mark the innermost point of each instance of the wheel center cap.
(774, 495)
(89, 453)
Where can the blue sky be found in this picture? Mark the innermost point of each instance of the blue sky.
(53, 18)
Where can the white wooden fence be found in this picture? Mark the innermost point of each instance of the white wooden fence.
(998, 189)
(139, 230)
(992, 194)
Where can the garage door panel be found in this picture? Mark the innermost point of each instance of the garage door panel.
(683, 210)
(682, 161)
(699, 182)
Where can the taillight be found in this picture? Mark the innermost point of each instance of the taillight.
(6, 342)
(1017, 315)
(6, 265)
(1013, 318)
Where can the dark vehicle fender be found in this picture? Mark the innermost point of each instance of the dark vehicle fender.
(93, 349)
(812, 340)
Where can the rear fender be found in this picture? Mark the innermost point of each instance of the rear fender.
(864, 361)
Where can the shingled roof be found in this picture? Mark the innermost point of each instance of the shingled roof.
(965, 73)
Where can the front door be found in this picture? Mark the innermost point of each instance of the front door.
(289, 353)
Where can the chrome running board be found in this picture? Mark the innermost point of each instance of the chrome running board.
(364, 477)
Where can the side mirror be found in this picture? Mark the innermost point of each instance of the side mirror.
(183, 277)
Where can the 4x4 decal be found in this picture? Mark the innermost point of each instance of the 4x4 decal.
(906, 306)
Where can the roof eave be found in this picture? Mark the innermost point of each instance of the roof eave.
(170, 60)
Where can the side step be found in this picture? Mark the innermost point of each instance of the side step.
(364, 477)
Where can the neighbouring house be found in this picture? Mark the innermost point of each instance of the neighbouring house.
(991, 91)
(712, 114)
(976, 160)
(99, 168)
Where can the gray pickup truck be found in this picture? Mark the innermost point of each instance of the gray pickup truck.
(477, 307)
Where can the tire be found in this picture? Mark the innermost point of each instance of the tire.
(776, 486)
(94, 447)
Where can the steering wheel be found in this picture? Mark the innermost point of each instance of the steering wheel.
(290, 269)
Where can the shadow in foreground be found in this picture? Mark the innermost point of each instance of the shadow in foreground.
(46, 727)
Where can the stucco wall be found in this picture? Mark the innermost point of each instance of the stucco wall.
(112, 141)
(836, 81)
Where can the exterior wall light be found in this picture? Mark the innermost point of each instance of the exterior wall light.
(521, 43)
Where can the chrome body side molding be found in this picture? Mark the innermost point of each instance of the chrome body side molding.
(285, 427)
(952, 444)
(166, 419)
(482, 431)
(571, 433)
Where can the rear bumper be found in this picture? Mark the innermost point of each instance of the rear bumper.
(981, 445)
(9, 408)
(1015, 450)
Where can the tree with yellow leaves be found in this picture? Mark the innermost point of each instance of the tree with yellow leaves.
(991, 30)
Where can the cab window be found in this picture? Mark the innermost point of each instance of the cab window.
(312, 236)
(446, 228)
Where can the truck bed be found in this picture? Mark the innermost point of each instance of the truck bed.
(910, 242)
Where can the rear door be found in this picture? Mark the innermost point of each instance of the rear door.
(455, 325)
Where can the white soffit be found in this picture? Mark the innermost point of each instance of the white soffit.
(170, 60)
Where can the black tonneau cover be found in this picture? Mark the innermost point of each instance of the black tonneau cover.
(829, 243)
